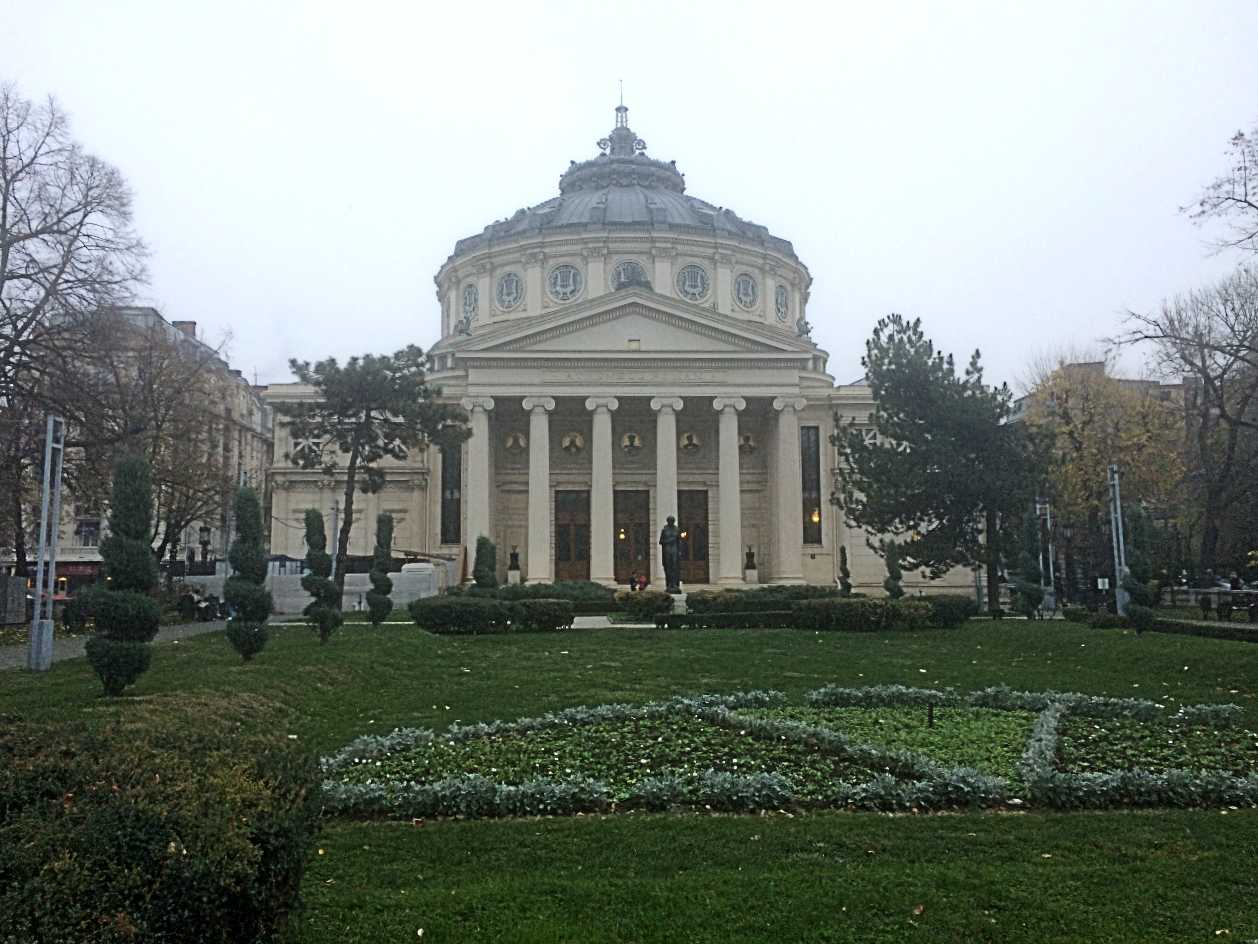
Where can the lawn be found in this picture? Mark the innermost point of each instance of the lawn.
(1122, 876)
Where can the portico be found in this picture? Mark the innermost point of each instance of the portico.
(579, 451)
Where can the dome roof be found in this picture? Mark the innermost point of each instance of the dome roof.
(622, 187)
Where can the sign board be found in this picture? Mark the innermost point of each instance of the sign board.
(1102, 583)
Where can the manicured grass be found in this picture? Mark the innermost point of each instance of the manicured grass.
(989, 741)
(1097, 744)
(1161, 876)
(1144, 878)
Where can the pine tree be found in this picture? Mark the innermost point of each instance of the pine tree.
(944, 468)
(324, 611)
(244, 591)
(373, 408)
(378, 601)
(127, 616)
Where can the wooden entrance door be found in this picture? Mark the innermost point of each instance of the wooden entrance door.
(631, 531)
(692, 519)
(572, 535)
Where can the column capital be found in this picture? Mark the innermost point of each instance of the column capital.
(663, 403)
(477, 403)
(544, 404)
(789, 403)
(721, 404)
(611, 404)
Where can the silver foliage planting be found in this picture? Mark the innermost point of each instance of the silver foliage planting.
(906, 781)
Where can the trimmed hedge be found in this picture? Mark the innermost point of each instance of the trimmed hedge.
(862, 615)
(112, 836)
(462, 614)
(586, 596)
(949, 610)
(765, 619)
(758, 600)
(643, 605)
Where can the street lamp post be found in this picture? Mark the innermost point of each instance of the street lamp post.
(1044, 511)
(1120, 548)
(39, 654)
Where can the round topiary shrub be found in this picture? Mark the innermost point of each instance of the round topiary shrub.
(248, 639)
(117, 663)
(126, 615)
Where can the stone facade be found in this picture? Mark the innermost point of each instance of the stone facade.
(624, 352)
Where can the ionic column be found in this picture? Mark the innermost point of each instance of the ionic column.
(790, 500)
(602, 540)
(539, 563)
(729, 483)
(476, 488)
(666, 409)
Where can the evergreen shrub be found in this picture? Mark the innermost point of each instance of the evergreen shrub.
(250, 601)
(485, 568)
(948, 610)
(324, 611)
(1141, 617)
(378, 601)
(115, 836)
(643, 605)
(117, 662)
(861, 615)
(541, 616)
(127, 617)
(457, 614)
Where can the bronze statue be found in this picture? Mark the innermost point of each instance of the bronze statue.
(670, 551)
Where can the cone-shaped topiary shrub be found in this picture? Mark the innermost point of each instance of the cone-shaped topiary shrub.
(894, 574)
(244, 591)
(324, 611)
(126, 614)
(845, 575)
(378, 601)
(485, 569)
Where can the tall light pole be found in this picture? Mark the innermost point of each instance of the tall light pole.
(39, 654)
(1120, 547)
(1044, 511)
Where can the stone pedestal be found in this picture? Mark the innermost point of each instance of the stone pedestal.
(513, 577)
(749, 576)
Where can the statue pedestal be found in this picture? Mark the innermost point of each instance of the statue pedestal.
(749, 576)
(513, 577)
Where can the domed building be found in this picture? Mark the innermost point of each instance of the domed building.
(626, 351)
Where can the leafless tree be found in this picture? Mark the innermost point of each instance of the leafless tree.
(156, 392)
(1209, 337)
(67, 249)
(1232, 198)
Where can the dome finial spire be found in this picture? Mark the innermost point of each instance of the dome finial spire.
(622, 142)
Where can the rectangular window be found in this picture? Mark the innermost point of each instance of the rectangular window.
(810, 469)
(451, 495)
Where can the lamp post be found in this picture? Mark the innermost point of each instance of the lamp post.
(39, 654)
(1120, 549)
(203, 534)
(1067, 577)
(1044, 512)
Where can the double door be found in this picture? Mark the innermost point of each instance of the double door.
(692, 519)
(631, 532)
(572, 535)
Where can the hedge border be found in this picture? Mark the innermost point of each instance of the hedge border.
(907, 780)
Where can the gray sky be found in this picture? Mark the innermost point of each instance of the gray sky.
(1009, 172)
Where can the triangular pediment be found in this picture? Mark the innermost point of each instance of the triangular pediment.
(633, 320)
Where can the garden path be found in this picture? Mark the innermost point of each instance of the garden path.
(13, 657)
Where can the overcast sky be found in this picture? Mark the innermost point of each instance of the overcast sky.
(1009, 172)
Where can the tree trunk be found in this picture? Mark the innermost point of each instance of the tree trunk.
(992, 528)
(1210, 516)
(342, 540)
(21, 567)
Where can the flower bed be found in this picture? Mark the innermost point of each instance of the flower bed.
(986, 739)
(1089, 745)
(856, 748)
